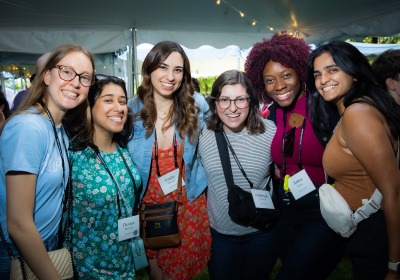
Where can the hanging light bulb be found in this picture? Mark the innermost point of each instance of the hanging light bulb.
(254, 23)
(241, 14)
(218, 2)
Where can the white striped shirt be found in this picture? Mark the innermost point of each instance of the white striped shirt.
(254, 154)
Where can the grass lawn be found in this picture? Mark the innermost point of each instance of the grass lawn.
(341, 272)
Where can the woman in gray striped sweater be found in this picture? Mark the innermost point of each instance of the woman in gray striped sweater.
(238, 252)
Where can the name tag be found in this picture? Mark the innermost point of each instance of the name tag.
(300, 184)
(262, 199)
(128, 228)
(169, 181)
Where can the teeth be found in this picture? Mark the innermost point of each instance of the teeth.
(167, 84)
(117, 119)
(232, 115)
(284, 95)
(71, 94)
(328, 88)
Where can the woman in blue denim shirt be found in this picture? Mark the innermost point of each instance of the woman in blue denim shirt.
(166, 111)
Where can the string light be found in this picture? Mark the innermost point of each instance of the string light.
(253, 21)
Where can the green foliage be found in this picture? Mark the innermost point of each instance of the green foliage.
(206, 84)
(384, 40)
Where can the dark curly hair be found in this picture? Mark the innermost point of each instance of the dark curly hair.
(254, 123)
(184, 110)
(285, 49)
(83, 133)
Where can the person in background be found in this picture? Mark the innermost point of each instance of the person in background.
(40, 62)
(104, 182)
(34, 164)
(277, 69)
(386, 68)
(238, 252)
(4, 109)
(196, 85)
(360, 161)
(166, 113)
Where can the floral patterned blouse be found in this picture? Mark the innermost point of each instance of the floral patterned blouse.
(97, 253)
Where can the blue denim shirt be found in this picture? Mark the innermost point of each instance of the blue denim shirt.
(140, 149)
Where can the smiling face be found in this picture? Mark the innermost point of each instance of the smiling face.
(65, 95)
(233, 118)
(281, 83)
(167, 78)
(110, 111)
(331, 82)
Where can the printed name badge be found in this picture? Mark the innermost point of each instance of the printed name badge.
(262, 199)
(300, 184)
(169, 181)
(128, 228)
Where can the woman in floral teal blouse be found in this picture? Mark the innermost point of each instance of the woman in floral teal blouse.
(104, 183)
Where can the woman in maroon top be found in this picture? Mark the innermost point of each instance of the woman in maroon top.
(308, 248)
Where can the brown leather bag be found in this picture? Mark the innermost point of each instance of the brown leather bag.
(159, 221)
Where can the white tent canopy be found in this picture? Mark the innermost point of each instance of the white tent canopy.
(103, 26)
(30, 28)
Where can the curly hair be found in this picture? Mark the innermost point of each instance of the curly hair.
(285, 49)
(254, 123)
(184, 110)
(83, 132)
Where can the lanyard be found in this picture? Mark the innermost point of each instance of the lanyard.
(50, 117)
(300, 144)
(156, 153)
(116, 183)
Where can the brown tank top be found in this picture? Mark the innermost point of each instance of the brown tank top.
(351, 180)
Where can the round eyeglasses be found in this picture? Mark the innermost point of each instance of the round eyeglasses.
(240, 102)
(66, 73)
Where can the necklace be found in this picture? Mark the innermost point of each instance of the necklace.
(162, 114)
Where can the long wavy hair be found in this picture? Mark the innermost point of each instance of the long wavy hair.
(184, 110)
(38, 92)
(85, 129)
(364, 90)
(254, 123)
(287, 50)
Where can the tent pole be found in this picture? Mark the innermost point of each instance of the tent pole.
(135, 76)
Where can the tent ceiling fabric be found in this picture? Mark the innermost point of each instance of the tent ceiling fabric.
(102, 26)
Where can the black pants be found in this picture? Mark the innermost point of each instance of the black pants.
(368, 248)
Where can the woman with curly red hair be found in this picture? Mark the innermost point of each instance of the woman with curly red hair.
(277, 68)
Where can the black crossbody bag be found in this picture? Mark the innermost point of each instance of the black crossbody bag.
(242, 209)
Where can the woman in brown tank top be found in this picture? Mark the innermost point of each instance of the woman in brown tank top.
(361, 155)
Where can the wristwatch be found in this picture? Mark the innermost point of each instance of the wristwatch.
(394, 266)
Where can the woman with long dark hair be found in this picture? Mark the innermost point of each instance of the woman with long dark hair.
(167, 112)
(361, 155)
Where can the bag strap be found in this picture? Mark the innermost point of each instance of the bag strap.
(225, 160)
(223, 144)
(182, 148)
(5, 243)
(369, 208)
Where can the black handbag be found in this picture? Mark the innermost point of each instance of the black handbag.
(242, 209)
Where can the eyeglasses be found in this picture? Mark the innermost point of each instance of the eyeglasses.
(288, 142)
(66, 73)
(241, 102)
